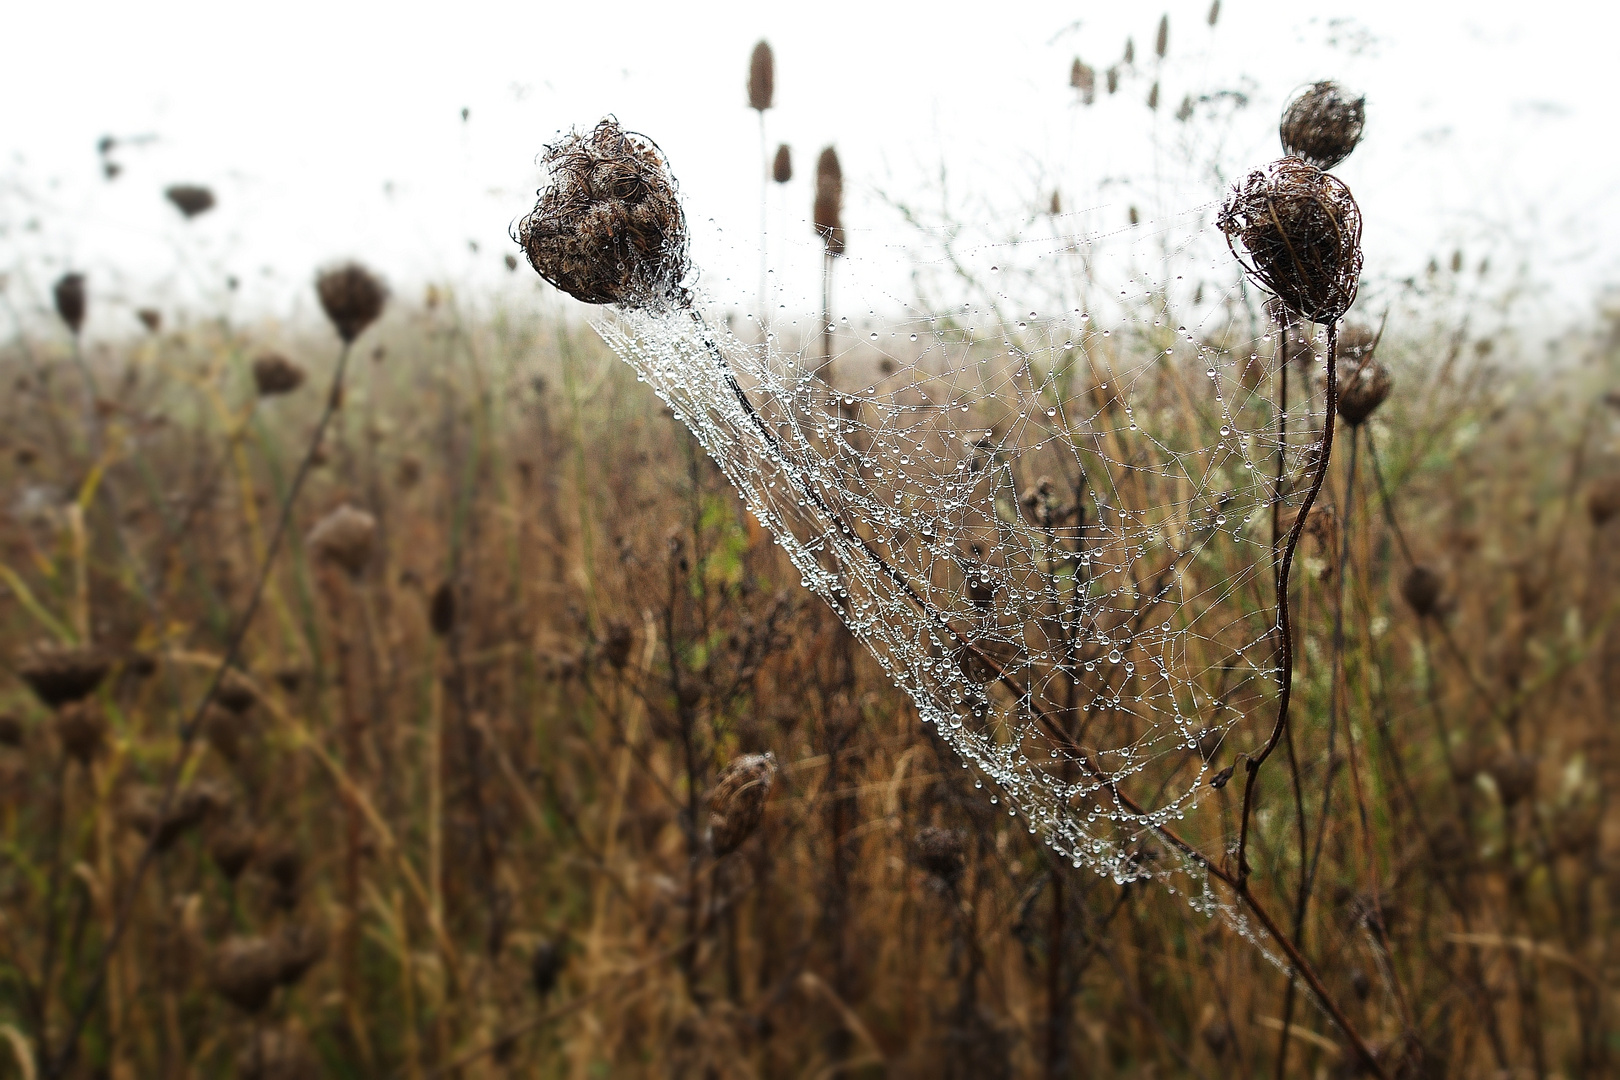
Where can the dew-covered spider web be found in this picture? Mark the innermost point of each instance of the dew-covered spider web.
(1051, 520)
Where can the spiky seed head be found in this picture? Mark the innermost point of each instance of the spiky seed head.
(1603, 500)
(71, 300)
(1322, 124)
(737, 802)
(608, 227)
(345, 536)
(761, 77)
(285, 867)
(352, 297)
(782, 165)
(829, 205)
(274, 374)
(940, 852)
(1297, 232)
(617, 644)
(1421, 588)
(151, 318)
(1184, 111)
(190, 199)
(1161, 43)
(81, 729)
(62, 674)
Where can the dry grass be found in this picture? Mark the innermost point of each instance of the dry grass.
(475, 764)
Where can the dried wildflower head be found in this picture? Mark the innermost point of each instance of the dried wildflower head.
(1297, 231)
(940, 852)
(1322, 124)
(143, 812)
(1421, 588)
(782, 166)
(1603, 500)
(352, 298)
(11, 730)
(761, 77)
(151, 318)
(61, 674)
(81, 729)
(298, 947)
(829, 205)
(737, 803)
(345, 536)
(232, 848)
(246, 971)
(190, 199)
(275, 374)
(1083, 77)
(608, 227)
(71, 300)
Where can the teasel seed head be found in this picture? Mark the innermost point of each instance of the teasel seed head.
(345, 536)
(608, 227)
(940, 852)
(1421, 588)
(1322, 124)
(1297, 232)
(275, 374)
(352, 297)
(782, 165)
(761, 77)
(190, 199)
(829, 204)
(1214, 12)
(151, 318)
(1161, 43)
(737, 802)
(71, 300)
(1111, 76)
(62, 674)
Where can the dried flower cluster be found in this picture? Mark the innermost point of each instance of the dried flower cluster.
(608, 227)
(1297, 231)
(345, 537)
(1365, 382)
(1322, 124)
(737, 803)
(62, 674)
(275, 374)
(352, 297)
(190, 199)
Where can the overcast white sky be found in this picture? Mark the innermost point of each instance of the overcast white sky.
(331, 128)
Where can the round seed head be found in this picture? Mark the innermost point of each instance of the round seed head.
(151, 318)
(275, 374)
(232, 848)
(246, 971)
(190, 199)
(345, 536)
(1322, 124)
(761, 77)
(81, 729)
(71, 300)
(285, 867)
(1366, 382)
(352, 298)
(61, 674)
(829, 206)
(941, 852)
(1297, 232)
(1421, 588)
(1603, 500)
(608, 227)
(298, 946)
(737, 803)
(782, 167)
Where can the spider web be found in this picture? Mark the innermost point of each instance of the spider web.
(1051, 523)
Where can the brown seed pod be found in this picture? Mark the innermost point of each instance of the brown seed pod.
(940, 852)
(345, 536)
(190, 199)
(1365, 382)
(275, 374)
(151, 318)
(737, 802)
(232, 848)
(1421, 588)
(829, 205)
(1297, 232)
(71, 300)
(352, 297)
(782, 166)
(81, 728)
(1603, 500)
(761, 77)
(143, 806)
(1322, 124)
(608, 227)
(245, 971)
(61, 674)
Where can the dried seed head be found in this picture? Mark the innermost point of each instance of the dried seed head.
(1112, 76)
(1515, 776)
(1055, 207)
(246, 971)
(1153, 97)
(275, 374)
(352, 297)
(81, 728)
(1366, 382)
(151, 318)
(442, 610)
(345, 536)
(829, 205)
(143, 812)
(608, 227)
(71, 300)
(232, 848)
(224, 731)
(1217, 1034)
(1421, 588)
(190, 199)
(1297, 232)
(285, 866)
(11, 730)
(737, 803)
(236, 691)
(546, 966)
(782, 166)
(618, 643)
(1603, 500)
(61, 674)
(1161, 43)
(940, 852)
(1322, 124)
(298, 947)
(1214, 12)
(1083, 77)
(761, 77)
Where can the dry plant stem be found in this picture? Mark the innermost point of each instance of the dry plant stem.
(1285, 630)
(58, 1064)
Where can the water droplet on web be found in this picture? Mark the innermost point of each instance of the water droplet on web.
(913, 337)
(874, 335)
